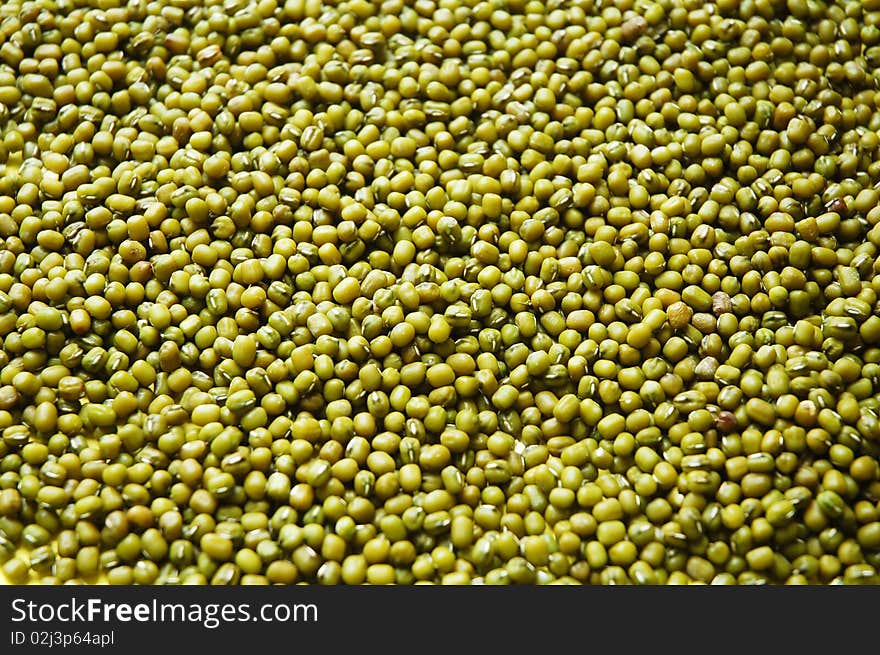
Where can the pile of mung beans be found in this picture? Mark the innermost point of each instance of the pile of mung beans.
(439, 291)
